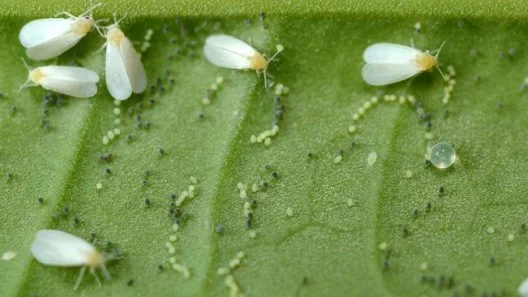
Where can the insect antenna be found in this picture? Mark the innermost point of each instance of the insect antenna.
(279, 50)
(90, 10)
(27, 82)
(438, 52)
(436, 56)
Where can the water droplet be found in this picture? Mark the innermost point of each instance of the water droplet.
(442, 155)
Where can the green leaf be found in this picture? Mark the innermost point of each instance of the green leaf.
(319, 225)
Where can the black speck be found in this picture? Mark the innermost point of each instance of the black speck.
(441, 190)
(415, 213)
(262, 16)
(428, 126)
(450, 282)
(310, 155)
(13, 109)
(40, 200)
(249, 222)
(108, 170)
(445, 113)
(441, 281)
(428, 207)
(253, 203)
(491, 260)
(147, 202)
(161, 151)
(160, 267)
(523, 228)
(267, 167)
(107, 244)
(219, 229)
(275, 175)
(144, 182)
(427, 116)
(76, 221)
(105, 157)
(65, 210)
(172, 196)
(405, 232)
(385, 265)
(423, 278)
(130, 282)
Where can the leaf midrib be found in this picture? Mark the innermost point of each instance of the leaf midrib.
(67, 184)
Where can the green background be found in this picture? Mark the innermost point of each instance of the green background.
(326, 248)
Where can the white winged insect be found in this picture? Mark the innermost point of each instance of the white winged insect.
(523, 288)
(58, 248)
(229, 52)
(48, 38)
(389, 63)
(124, 71)
(69, 80)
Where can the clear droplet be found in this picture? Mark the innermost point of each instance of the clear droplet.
(442, 155)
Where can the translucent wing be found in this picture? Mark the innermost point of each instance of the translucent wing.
(227, 51)
(385, 74)
(43, 30)
(523, 288)
(54, 47)
(57, 248)
(134, 67)
(74, 88)
(70, 73)
(117, 80)
(390, 53)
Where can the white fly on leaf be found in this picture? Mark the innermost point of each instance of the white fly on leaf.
(69, 80)
(124, 71)
(58, 248)
(48, 38)
(389, 63)
(229, 52)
